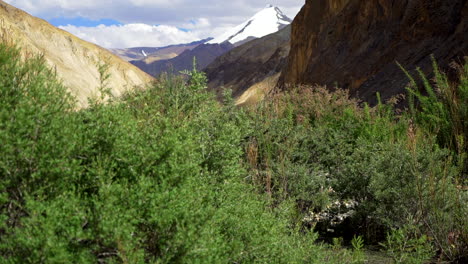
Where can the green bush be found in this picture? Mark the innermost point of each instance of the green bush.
(153, 178)
(443, 109)
(355, 170)
(405, 245)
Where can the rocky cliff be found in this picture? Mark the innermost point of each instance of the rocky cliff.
(75, 61)
(355, 44)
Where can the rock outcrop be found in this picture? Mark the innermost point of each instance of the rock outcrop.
(251, 66)
(356, 44)
(75, 61)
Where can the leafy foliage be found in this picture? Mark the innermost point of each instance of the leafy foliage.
(404, 247)
(152, 178)
(357, 168)
(444, 109)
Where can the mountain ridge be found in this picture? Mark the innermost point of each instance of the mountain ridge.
(75, 60)
(265, 22)
(204, 55)
(136, 53)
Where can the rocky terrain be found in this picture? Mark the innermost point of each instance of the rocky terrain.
(75, 61)
(355, 44)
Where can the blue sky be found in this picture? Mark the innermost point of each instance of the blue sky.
(130, 23)
(82, 21)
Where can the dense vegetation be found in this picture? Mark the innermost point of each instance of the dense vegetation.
(169, 175)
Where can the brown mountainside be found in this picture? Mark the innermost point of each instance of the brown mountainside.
(75, 60)
(355, 44)
(246, 67)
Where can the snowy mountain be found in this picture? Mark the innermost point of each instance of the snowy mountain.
(269, 20)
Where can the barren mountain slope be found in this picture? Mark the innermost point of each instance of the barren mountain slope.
(75, 60)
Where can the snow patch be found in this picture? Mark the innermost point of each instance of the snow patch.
(267, 21)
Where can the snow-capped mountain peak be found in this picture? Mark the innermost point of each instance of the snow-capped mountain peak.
(269, 20)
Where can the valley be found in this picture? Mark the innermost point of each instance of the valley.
(339, 135)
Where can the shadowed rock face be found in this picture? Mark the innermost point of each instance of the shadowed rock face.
(249, 63)
(74, 60)
(355, 44)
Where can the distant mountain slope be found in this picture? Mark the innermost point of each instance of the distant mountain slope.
(204, 54)
(269, 20)
(250, 64)
(156, 53)
(75, 60)
(355, 44)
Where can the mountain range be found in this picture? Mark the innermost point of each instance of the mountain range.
(268, 20)
(151, 54)
(204, 54)
(352, 44)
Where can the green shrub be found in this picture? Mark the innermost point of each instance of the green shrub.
(358, 245)
(405, 245)
(443, 109)
(153, 178)
(355, 170)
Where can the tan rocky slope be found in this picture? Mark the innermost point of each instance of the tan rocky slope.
(76, 61)
(355, 44)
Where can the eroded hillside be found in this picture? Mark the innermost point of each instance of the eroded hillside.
(75, 61)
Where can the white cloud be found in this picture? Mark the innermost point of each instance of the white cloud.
(154, 12)
(140, 16)
(131, 35)
(142, 35)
